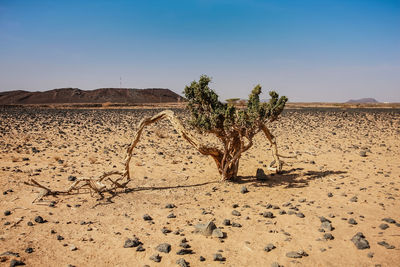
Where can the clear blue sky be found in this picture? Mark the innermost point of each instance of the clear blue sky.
(308, 50)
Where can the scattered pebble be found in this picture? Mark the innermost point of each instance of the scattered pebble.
(147, 217)
(39, 219)
(155, 258)
(244, 190)
(269, 247)
(360, 241)
(218, 257)
(164, 247)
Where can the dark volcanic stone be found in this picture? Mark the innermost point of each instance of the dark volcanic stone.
(7, 213)
(171, 216)
(282, 212)
(130, 243)
(184, 251)
(300, 215)
(323, 219)
(226, 222)
(60, 238)
(71, 178)
(147, 217)
(10, 253)
(234, 224)
(330, 194)
(206, 229)
(39, 219)
(294, 254)
(155, 258)
(386, 245)
(218, 257)
(15, 262)
(384, 226)
(327, 226)
(260, 175)
(354, 199)
(235, 213)
(244, 190)
(164, 247)
(165, 230)
(184, 245)
(352, 221)
(29, 250)
(268, 214)
(389, 220)
(202, 258)
(140, 248)
(170, 206)
(269, 247)
(360, 241)
(181, 262)
(328, 236)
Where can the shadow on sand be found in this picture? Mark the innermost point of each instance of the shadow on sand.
(292, 178)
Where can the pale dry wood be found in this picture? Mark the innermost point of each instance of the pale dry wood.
(105, 183)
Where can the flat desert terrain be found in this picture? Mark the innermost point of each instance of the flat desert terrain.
(336, 204)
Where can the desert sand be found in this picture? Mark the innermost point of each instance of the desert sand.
(345, 180)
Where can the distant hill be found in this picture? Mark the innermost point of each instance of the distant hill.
(103, 95)
(363, 100)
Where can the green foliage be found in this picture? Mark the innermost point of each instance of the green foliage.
(210, 115)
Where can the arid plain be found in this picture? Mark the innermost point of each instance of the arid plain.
(345, 180)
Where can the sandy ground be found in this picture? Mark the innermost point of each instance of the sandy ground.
(330, 178)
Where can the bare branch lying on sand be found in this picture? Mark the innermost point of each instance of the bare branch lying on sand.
(105, 182)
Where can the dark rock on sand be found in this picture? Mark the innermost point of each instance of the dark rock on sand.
(39, 219)
(352, 221)
(147, 217)
(268, 214)
(386, 245)
(130, 243)
(226, 222)
(15, 262)
(384, 226)
(205, 229)
(164, 247)
(389, 220)
(181, 262)
(269, 247)
(296, 254)
(244, 190)
(360, 241)
(328, 236)
(218, 257)
(155, 258)
(184, 251)
(235, 213)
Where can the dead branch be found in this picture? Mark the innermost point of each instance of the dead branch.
(105, 182)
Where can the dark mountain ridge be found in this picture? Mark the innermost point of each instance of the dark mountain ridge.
(102, 95)
(363, 100)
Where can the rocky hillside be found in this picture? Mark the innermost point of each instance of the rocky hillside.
(75, 95)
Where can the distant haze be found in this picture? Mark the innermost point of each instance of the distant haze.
(310, 51)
